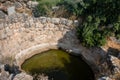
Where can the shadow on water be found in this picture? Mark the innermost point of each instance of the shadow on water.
(78, 69)
(75, 69)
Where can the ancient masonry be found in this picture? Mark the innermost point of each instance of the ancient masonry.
(22, 37)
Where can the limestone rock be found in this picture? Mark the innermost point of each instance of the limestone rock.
(27, 24)
(3, 35)
(18, 5)
(54, 8)
(7, 3)
(3, 74)
(69, 22)
(23, 76)
(43, 20)
(2, 15)
(41, 77)
(115, 40)
(48, 19)
(1, 26)
(32, 4)
(116, 63)
(11, 10)
(55, 20)
(105, 78)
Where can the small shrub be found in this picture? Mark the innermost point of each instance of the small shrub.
(100, 19)
(41, 9)
(44, 7)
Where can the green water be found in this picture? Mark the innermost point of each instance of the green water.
(58, 65)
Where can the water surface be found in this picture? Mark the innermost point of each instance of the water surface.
(58, 65)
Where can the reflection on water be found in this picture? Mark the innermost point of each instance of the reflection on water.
(58, 65)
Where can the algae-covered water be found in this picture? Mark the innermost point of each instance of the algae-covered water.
(58, 65)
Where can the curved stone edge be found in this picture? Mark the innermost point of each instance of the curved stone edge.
(27, 53)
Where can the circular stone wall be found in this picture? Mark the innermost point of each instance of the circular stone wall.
(23, 37)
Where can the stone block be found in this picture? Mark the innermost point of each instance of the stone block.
(63, 21)
(11, 10)
(43, 20)
(69, 22)
(55, 20)
(1, 26)
(2, 15)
